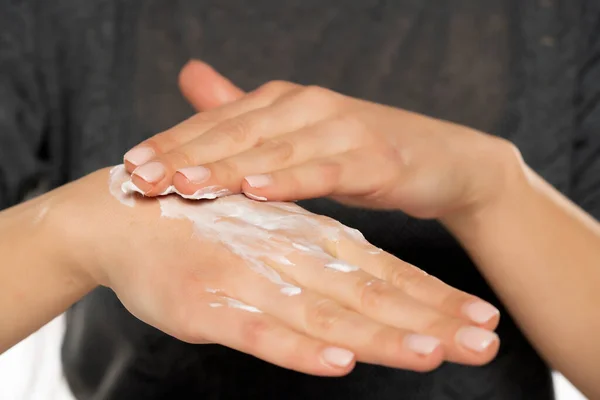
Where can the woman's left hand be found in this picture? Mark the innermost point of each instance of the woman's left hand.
(285, 141)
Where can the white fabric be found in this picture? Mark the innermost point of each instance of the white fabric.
(31, 370)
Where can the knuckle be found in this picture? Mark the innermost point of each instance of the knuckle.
(390, 155)
(318, 97)
(407, 279)
(330, 173)
(163, 140)
(236, 130)
(499, 147)
(228, 171)
(350, 130)
(202, 118)
(391, 340)
(371, 293)
(354, 234)
(453, 299)
(297, 351)
(179, 157)
(325, 222)
(315, 91)
(253, 331)
(440, 326)
(273, 88)
(508, 158)
(281, 151)
(322, 315)
(352, 124)
(189, 330)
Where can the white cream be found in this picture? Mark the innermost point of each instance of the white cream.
(41, 215)
(301, 247)
(233, 303)
(291, 290)
(118, 175)
(355, 234)
(341, 266)
(209, 192)
(262, 234)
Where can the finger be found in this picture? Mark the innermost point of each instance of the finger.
(225, 139)
(198, 311)
(313, 142)
(205, 88)
(326, 320)
(229, 323)
(202, 122)
(355, 173)
(415, 282)
(379, 300)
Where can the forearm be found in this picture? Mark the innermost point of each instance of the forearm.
(541, 253)
(37, 282)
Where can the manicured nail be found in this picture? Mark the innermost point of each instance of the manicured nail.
(475, 338)
(255, 197)
(480, 312)
(139, 155)
(337, 357)
(151, 172)
(258, 181)
(422, 344)
(195, 174)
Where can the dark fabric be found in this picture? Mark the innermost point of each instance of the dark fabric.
(585, 183)
(82, 81)
(22, 113)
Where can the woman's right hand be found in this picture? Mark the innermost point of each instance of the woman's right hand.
(270, 279)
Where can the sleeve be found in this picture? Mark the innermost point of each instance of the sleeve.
(21, 106)
(585, 171)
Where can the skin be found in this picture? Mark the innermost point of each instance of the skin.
(283, 141)
(60, 246)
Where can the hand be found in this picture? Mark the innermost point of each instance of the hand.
(289, 142)
(270, 279)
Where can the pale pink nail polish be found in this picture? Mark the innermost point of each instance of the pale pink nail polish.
(255, 197)
(422, 344)
(475, 338)
(258, 181)
(480, 312)
(337, 357)
(139, 155)
(195, 174)
(151, 172)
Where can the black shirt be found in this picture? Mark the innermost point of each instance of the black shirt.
(83, 81)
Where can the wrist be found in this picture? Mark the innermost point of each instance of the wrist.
(499, 181)
(61, 233)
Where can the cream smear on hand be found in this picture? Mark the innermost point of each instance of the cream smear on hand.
(261, 235)
(209, 192)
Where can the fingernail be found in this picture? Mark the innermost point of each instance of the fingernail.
(337, 357)
(422, 344)
(255, 197)
(475, 338)
(139, 155)
(480, 312)
(258, 181)
(195, 174)
(151, 172)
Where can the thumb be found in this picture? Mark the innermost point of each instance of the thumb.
(205, 88)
